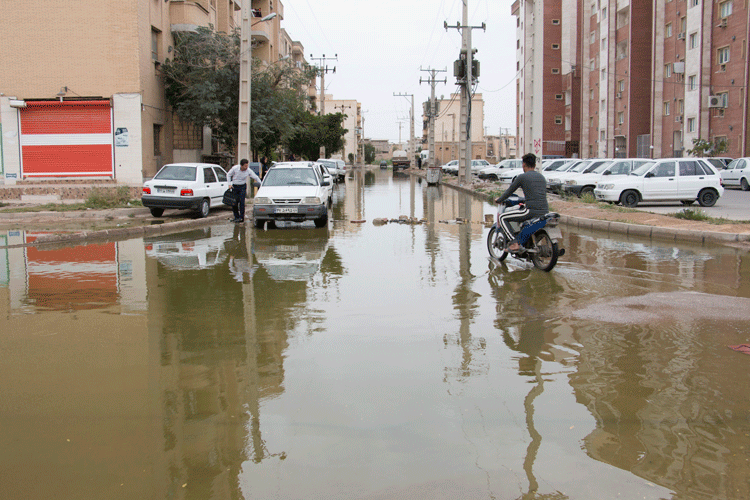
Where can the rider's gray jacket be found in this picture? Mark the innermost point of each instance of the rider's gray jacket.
(534, 187)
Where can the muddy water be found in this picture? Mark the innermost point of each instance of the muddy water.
(377, 362)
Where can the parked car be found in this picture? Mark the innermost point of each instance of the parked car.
(185, 186)
(293, 191)
(493, 172)
(335, 168)
(510, 175)
(555, 179)
(477, 165)
(580, 184)
(719, 162)
(670, 179)
(737, 174)
(450, 168)
(383, 164)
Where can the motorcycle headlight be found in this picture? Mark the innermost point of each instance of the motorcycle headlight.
(262, 201)
(312, 200)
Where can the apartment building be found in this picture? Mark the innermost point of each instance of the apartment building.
(352, 122)
(87, 100)
(448, 125)
(631, 78)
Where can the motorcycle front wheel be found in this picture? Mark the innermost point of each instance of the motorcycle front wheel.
(546, 254)
(496, 244)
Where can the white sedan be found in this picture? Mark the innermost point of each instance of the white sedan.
(185, 186)
(671, 179)
(737, 173)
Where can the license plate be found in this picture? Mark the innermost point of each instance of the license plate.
(287, 248)
(164, 191)
(286, 210)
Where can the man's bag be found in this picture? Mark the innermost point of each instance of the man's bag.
(230, 197)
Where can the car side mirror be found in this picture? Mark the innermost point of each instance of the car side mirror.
(650, 174)
(607, 172)
(325, 183)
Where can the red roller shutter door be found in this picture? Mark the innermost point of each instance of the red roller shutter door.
(66, 139)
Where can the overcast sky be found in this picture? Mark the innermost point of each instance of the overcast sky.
(382, 44)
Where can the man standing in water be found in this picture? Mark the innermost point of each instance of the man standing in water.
(237, 177)
(534, 187)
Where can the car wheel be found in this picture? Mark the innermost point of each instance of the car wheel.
(707, 198)
(204, 208)
(493, 177)
(744, 185)
(687, 202)
(322, 221)
(629, 198)
(586, 190)
(157, 212)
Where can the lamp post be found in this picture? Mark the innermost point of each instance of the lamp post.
(246, 59)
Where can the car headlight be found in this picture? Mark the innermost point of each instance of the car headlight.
(262, 201)
(312, 200)
(606, 187)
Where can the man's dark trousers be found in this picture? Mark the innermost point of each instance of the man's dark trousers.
(239, 208)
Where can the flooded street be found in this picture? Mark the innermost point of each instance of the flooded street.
(372, 362)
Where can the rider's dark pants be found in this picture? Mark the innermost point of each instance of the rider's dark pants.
(513, 216)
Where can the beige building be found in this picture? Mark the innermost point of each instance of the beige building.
(353, 121)
(447, 129)
(95, 103)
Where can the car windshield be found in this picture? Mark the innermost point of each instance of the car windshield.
(505, 164)
(643, 168)
(719, 164)
(578, 168)
(290, 177)
(593, 166)
(328, 164)
(559, 167)
(176, 173)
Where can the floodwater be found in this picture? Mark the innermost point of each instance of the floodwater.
(372, 362)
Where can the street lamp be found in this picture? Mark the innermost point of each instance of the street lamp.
(246, 58)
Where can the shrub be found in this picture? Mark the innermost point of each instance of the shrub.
(109, 198)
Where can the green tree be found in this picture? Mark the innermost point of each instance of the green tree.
(369, 154)
(313, 131)
(351, 158)
(202, 86)
(702, 147)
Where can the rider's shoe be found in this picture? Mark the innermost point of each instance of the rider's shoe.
(513, 247)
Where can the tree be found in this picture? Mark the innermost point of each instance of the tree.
(313, 131)
(369, 154)
(702, 147)
(202, 86)
(351, 158)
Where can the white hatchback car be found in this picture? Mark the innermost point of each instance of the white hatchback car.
(670, 179)
(293, 191)
(737, 173)
(185, 186)
(493, 172)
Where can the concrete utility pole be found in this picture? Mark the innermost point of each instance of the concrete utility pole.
(432, 114)
(467, 54)
(323, 70)
(411, 127)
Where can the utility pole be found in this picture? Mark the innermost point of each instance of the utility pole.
(323, 70)
(432, 113)
(466, 80)
(411, 127)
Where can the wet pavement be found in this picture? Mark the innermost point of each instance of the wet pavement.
(373, 362)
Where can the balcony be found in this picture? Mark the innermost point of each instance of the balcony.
(187, 15)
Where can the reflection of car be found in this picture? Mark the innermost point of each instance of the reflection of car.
(291, 255)
(383, 164)
(197, 249)
(335, 167)
(186, 186)
(737, 174)
(293, 191)
(671, 179)
(579, 184)
(493, 172)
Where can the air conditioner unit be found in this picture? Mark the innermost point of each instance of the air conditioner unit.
(680, 36)
(715, 101)
(678, 118)
(618, 95)
(722, 24)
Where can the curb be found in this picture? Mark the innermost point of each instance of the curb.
(641, 231)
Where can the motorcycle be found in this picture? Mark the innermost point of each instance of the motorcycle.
(540, 238)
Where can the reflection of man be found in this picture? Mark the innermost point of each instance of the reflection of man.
(237, 177)
(534, 187)
(239, 263)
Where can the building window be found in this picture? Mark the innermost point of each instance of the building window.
(667, 70)
(604, 43)
(157, 140)
(604, 13)
(694, 3)
(621, 86)
(691, 125)
(558, 120)
(692, 82)
(668, 30)
(603, 104)
(724, 96)
(555, 71)
(591, 95)
(725, 9)
(155, 44)
(593, 37)
(723, 54)
(621, 117)
(591, 122)
(555, 46)
(602, 135)
(666, 108)
(556, 22)
(559, 97)
(693, 41)
(604, 73)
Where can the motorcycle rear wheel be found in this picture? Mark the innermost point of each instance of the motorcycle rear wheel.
(496, 244)
(546, 253)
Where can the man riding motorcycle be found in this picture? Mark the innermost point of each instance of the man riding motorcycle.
(534, 187)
